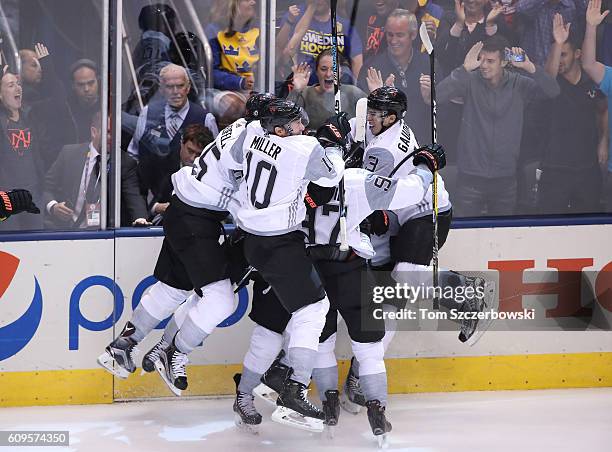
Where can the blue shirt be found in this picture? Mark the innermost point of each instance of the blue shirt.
(606, 87)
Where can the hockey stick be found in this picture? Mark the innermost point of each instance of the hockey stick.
(338, 109)
(434, 138)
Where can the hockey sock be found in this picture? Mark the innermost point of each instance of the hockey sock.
(390, 325)
(325, 379)
(374, 387)
(248, 381)
(171, 330)
(189, 336)
(355, 367)
(143, 322)
(301, 361)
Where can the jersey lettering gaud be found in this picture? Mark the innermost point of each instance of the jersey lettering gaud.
(276, 173)
(209, 183)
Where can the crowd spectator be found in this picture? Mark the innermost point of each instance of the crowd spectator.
(20, 157)
(601, 75)
(194, 139)
(318, 100)
(312, 34)
(402, 65)
(371, 25)
(235, 45)
(73, 186)
(491, 125)
(575, 136)
(159, 127)
(429, 13)
(536, 17)
(469, 24)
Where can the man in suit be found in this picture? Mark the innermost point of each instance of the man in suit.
(72, 186)
(157, 138)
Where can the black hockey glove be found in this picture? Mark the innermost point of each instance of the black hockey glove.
(431, 155)
(379, 222)
(16, 201)
(317, 196)
(354, 157)
(334, 131)
(234, 251)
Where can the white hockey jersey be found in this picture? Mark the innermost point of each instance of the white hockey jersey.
(209, 183)
(276, 172)
(382, 156)
(365, 192)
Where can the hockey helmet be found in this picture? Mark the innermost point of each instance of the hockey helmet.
(389, 99)
(279, 113)
(256, 104)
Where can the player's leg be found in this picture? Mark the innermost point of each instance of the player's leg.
(412, 250)
(205, 262)
(158, 303)
(267, 371)
(282, 261)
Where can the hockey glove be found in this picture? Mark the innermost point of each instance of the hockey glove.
(354, 157)
(16, 201)
(317, 196)
(431, 155)
(379, 222)
(334, 131)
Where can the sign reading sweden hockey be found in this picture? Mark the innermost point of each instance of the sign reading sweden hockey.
(16, 335)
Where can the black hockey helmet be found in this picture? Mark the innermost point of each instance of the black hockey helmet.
(151, 17)
(256, 104)
(279, 113)
(388, 99)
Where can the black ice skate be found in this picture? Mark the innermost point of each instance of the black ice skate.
(352, 398)
(483, 300)
(272, 381)
(378, 422)
(294, 408)
(246, 416)
(171, 367)
(331, 409)
(118, 357)
(152, 356)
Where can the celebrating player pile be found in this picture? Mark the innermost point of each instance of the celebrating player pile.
(282, 189)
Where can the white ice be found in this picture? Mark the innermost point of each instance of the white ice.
(578, 420)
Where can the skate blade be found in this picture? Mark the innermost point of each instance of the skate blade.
(246, 428)
(106, 361)
(330, 431)
(287, 416)
(266, 394)
(491, 303)
(349, 406)
(383, 441)
(161, 370)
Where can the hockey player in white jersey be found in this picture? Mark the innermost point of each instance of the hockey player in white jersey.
(341, 273)
(191, 258)
(278, 163)
(409, 251)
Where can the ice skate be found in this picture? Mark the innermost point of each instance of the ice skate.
(331, 409)
(118, 357)
(294, 408)
(473, 329)
(246, 416)
(272, 381)
(152, 356)
(171, 367)
(378, 422)
(352, 398)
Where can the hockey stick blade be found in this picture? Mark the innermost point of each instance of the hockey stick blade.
(361, 111)
(425, 39)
